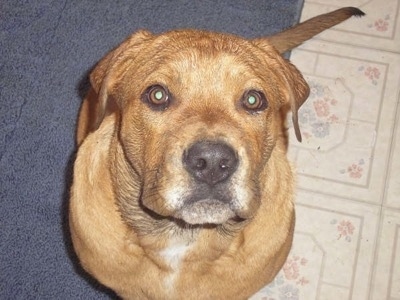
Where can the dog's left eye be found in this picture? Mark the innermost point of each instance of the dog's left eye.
(254, 101)
(157, 97)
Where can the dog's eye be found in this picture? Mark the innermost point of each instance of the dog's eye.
(254, 101)
(157, 97)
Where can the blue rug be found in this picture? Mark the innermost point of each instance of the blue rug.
(47, 48)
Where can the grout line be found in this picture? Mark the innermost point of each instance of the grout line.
(385, 195)
(344, 44)
(357, 46)
(376, 247)
(342, 197)
(395, 246)
(392, 145)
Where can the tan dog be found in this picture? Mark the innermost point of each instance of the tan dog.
(182, 188)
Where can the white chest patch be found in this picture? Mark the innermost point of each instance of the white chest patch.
(173, 256)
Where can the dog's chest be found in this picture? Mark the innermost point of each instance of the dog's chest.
(173, 256)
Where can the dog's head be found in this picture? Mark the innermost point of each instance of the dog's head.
(199, 116)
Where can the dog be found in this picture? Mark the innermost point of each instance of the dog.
(182, 188)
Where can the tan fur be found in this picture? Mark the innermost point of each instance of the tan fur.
(130, 182)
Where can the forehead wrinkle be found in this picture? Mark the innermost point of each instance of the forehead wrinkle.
(219, 74)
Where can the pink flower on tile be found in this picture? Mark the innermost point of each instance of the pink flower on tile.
(303, 261)
(289, 281)
(321, 108)
(381, 25)
(372, 73)
(355, 171)
(345, 228)
(291, 269)
(302, 281)
(333, 119)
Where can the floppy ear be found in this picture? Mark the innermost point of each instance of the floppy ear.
(108, 70)
(298, 92)
(294, 36)
(297, 88)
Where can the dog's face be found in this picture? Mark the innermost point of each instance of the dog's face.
(199, 116)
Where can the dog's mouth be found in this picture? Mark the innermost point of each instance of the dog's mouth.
(206, 211)
(212, 205)
(200, 205)
(208, 205)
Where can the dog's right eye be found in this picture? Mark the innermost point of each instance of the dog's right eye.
(254, 101)
(157, 97)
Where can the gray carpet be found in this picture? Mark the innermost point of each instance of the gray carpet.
(46, 51)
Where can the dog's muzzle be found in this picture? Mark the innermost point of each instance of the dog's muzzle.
(210, 164)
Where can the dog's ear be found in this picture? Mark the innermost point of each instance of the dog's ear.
(297, 93)
(108, 70)
(295, 36)
(296, 87)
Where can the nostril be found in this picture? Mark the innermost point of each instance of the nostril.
(200, 164)
(210, 162)
(224, 164)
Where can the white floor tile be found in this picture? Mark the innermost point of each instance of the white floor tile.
(347, 122)
(332, 253)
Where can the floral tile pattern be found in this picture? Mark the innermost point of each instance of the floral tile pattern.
(348, 119)
(332, 244)
(347, 239)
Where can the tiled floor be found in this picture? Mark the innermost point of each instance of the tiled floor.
(347, 241)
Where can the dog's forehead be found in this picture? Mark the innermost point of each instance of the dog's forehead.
(217, 71)
(192, 47)
(202, 59)
(181, 39)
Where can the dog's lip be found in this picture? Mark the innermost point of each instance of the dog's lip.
(211, 198)
(206, 211)
(202, 192)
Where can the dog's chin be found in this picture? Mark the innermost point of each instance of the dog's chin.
(207, 211)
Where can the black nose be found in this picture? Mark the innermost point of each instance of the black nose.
(210, 162)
